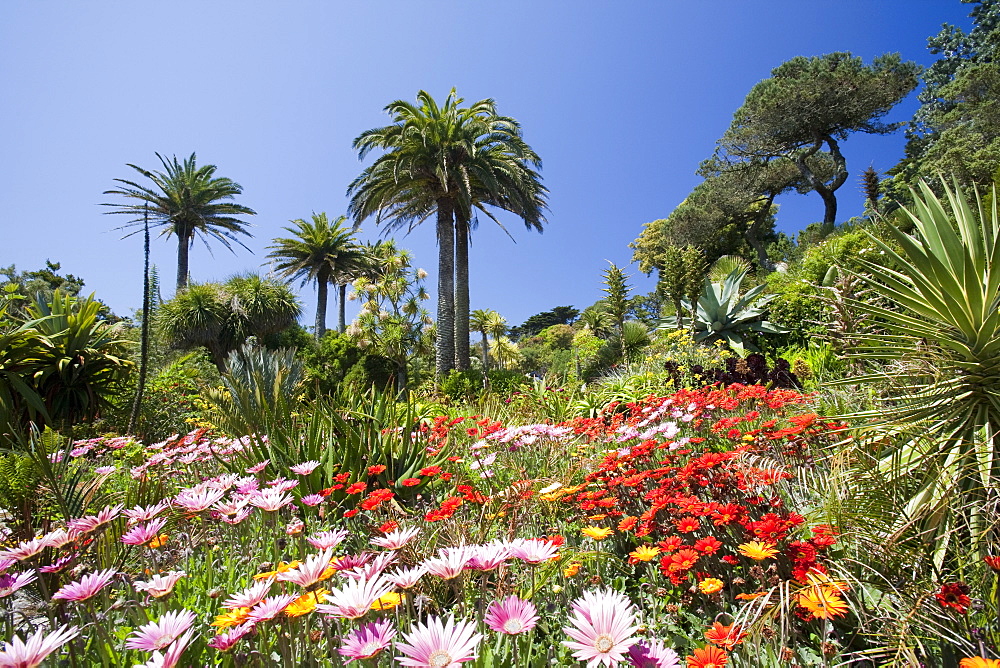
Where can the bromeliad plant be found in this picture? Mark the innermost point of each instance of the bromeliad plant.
(724, 314)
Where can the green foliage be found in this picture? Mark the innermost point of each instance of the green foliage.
(184, 201)
(221, 317)
(724, 314)
(944, 343)
(797, 307)
(616, 288)
(462, 386)
(560, 315)
(505, 381)
(19, 492)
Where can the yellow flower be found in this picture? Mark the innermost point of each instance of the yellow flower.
(596, 518)
(821, 604)
(306, 603)
(642, 553)
(232, 618)
(820, 579)
(710, 585)
(282, 568)
(597, 533)
(388, 601)
(572, 569)
(757, 550)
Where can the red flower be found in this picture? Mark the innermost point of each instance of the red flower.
(357, 488)
(708, 545)
(688, 524)
(375, 470)
(627, 523)
(351, 513)
(430, 470)
(411, 482)
(389, 526)
(707, 657)
(954, 595)
(993, 562)
(376, 497)
(725, 637)
(342, 477)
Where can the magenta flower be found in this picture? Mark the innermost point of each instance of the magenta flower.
(140, 514)
(438, 644)
(59, 538)
(351, 561)
(653, 654)
(603, 627)
(157, 635)
(20, 654)
(372, 568)
(308, 572)
(327, 540)
(489, 557)
(250, 596)
(312, 499)
(60, 564)
(305, 468)
(25, 549)
(10, 583)
(355, 598)
(226, 641)
(270, 608)
(396, 539)
(240, 515)
(160, 585)
(367, 641)
(257, 468)
(86, 586)
(511, 616)
(142, 534)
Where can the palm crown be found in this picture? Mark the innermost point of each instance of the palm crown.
(187, 201)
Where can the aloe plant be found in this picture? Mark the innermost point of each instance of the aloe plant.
(724, 314)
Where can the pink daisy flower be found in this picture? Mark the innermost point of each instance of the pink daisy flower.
(534, 551)
(247, 485)
(327, 540)
(140, 514)
(270, 608)
(250, 596)
(93, 522)
(653, 654)
(367, 641)
(308, 572)
(240, 515)
(372, 568)
(171, 658)
(438, 644)
(157, 635)
(603, 628)
(59, 565)
(196, 500)
(59, 538)
(396, 539)
(10, 583)
(489, 557)
(20, 654)
(449, 563)
(86, 586)
(257, 468)
(355, 598)
(226, 641)
(159, 586)
(270, 500)
(24, 550)
(105, 470)
(305, 468)
(404, 578)
(312, 499)
(511, 616)
(141, 534)
(351, 561)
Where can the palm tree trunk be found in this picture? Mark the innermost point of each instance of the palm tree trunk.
(183, 247)
(444, 358)
(147, 313)
(461, 291)
(342, 308)
(321, 297)
(486, 354)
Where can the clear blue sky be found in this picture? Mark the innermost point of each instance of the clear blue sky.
(621, 99)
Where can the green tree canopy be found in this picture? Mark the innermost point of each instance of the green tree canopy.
(809, 105)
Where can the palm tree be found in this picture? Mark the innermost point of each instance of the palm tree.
(323, 252)
(486, 321)
(446, 160)
(186, 201)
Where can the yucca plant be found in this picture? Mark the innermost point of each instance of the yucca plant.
(723, 314)
(939, 421)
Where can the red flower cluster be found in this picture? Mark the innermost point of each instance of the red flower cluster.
(447, 509)
(954, 595)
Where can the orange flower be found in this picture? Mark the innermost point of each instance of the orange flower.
(642, 553)
(572, 569)
(231, 618)
(757, 550)
(993, 562)
(282, 568)
(726, 637)
(411, 482)
(306, 603)
(159, 541)
(688, 524)
(753, 596)
(979, 662)
(707, 657)
(710, 585)
(387, 601)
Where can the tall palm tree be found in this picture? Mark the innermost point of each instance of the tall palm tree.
(485, 321)
(186, 201)
(321, 251)
(445, 160)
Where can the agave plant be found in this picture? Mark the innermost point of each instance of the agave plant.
(942, 344)
(723, 314)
